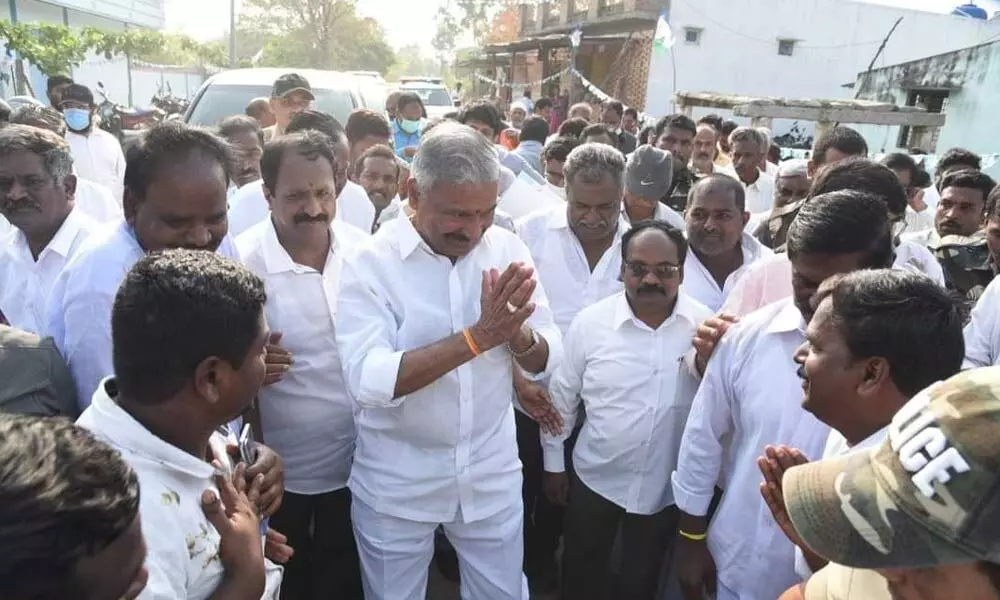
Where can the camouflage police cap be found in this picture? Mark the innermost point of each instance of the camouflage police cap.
(929, 495)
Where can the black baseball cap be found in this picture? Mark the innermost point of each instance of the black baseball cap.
(291, 82)
(76, 92)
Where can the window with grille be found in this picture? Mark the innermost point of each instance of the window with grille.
(786, 47)
(692, 35)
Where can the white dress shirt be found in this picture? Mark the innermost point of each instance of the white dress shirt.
(982, 333)
(636, 393)
(759, 194)
(750, 396)
(447, 450)
(308, 416)
(98, 157)
(662, 212)
(78, 315)
(25, 283)
(248, 207)
(702, 286)
(182, 545)
(96, 201)
(524, 197)
(562, 266)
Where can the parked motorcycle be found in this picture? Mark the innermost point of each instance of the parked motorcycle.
(169, 103)
(122, 121)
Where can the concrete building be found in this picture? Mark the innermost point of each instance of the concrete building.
(110, 15)
(794, 48)
(962, 84)
(776, 48)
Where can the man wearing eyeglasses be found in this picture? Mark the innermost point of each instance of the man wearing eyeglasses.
(290, 95)
(721, 251)
(623, 363)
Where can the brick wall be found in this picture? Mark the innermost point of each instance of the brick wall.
(629, 83)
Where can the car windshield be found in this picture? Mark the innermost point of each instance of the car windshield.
(432, 96)
(221, 101)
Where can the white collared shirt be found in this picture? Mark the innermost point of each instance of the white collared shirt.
(702, 286)
(662, 212)
(982, 332)
(749, 397)
(96, 202)
(636, 393)
(449, 448)
(248, 207)
(98, 157)
(25, 283)
(78, 315)
(181, 543)
(308, 416)
(562, 266)
(759, 194)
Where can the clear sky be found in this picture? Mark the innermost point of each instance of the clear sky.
(412, 21)
(405, 21)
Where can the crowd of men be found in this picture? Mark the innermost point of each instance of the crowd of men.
(305, 358)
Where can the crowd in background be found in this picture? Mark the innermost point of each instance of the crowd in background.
(554, 351)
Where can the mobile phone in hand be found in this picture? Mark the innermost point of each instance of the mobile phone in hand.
(248, 454)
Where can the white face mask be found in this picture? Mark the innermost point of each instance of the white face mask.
(555, 189)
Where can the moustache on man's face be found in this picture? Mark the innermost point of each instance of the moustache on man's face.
(650, 289)
(301, 218)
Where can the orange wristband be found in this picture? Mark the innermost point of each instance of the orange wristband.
(471, 342)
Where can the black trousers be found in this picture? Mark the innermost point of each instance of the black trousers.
(543, 521)
(325, 565)
(592, 523)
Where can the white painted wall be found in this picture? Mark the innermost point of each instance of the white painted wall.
(738, 52)
(113, 73)
(146, 82)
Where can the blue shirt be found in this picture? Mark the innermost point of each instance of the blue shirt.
(402, 140)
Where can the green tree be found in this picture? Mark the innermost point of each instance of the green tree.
(321, 34)
(412, 61)
(55, 49)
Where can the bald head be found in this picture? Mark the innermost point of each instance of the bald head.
(719, 185)
(260, 109)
